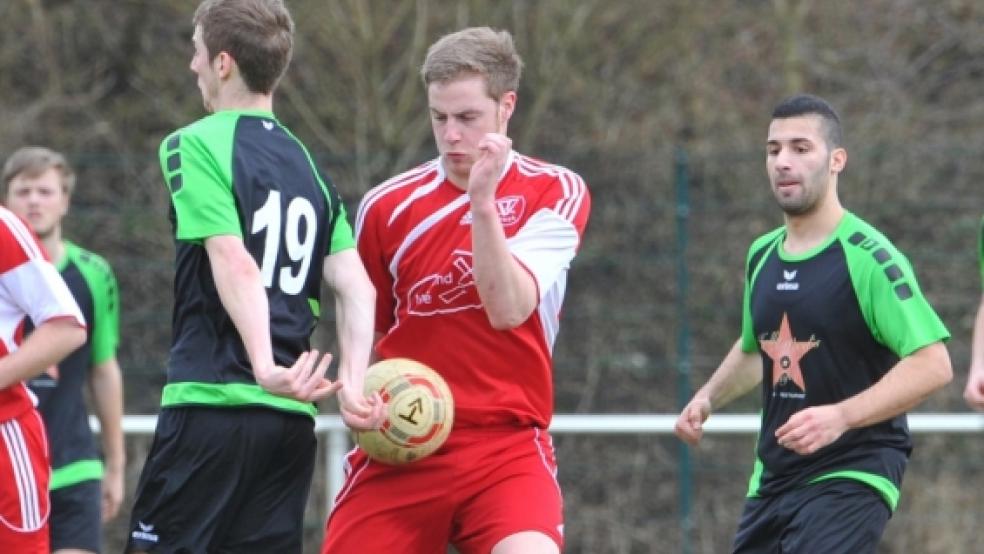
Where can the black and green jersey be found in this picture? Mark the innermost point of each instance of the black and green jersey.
(74, 457)
(242, 173)
(829, 323)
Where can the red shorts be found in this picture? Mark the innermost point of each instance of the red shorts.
(24, 475)
(480, 487)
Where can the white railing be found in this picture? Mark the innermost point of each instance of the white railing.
(338, 443)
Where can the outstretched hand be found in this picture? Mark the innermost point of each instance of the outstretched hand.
(690, 424)
(304, 381)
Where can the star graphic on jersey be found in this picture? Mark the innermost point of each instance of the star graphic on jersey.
(786, 353)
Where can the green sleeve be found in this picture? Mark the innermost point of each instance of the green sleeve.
(196, 165)
(893, 305)
(106, 313)
(756, 257)
(342, 237)
(104, 336)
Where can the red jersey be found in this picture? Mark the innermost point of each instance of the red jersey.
(414, 236)
(29, 286)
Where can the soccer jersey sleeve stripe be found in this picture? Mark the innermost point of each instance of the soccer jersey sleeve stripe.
(392, 184)
(19, 244)
(574, 191)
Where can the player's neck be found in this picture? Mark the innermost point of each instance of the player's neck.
(239, 99)
(53, 245)
(808, 231)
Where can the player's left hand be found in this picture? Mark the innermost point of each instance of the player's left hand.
(112, 493)
(811, 429)
(485, 172)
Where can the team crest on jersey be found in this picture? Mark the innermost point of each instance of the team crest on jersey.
(448, 291)
(786, 353)
(510, 208)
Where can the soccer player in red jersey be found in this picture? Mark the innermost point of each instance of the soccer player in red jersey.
(29, 287)
(469, 254)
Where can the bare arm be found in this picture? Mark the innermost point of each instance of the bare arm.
(974, 391)
(355, 300)
(106, 388)
(507, 290)
(738, 373)
(237, 279)
(47, 345)
(907, 384)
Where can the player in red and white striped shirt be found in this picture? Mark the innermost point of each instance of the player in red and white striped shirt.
(469, 254)
(29, 287)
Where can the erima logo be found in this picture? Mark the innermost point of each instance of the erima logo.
(145, 532)
(788, 284)
(268, 125)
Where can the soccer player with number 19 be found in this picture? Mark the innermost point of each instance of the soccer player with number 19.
(256, 227)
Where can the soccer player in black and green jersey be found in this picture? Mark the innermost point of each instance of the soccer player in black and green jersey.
(839, 334)
(256, 227)
(974, 391)
(86, 488)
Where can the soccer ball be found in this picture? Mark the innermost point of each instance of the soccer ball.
(420, 411)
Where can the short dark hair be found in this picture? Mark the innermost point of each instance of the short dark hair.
(258, 34)
(808, 104)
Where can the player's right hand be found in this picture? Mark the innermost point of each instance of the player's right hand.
(304, 381)
(690, 424)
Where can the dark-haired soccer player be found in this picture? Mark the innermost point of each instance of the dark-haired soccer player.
(837, 330)
(256, 227)
(85, 491)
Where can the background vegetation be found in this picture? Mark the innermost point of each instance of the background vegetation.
(620, 92)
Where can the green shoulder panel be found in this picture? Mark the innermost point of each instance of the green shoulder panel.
(893, 305)
(197, 166)
(342, 237)
(757, 253)
(99, 277)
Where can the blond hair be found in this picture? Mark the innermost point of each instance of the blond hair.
(32, 161)
(475, 51)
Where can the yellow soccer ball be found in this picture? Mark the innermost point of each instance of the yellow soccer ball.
(420, 411)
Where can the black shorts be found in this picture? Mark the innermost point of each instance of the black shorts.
(76, 517)
(839, 516)
(224, 480)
